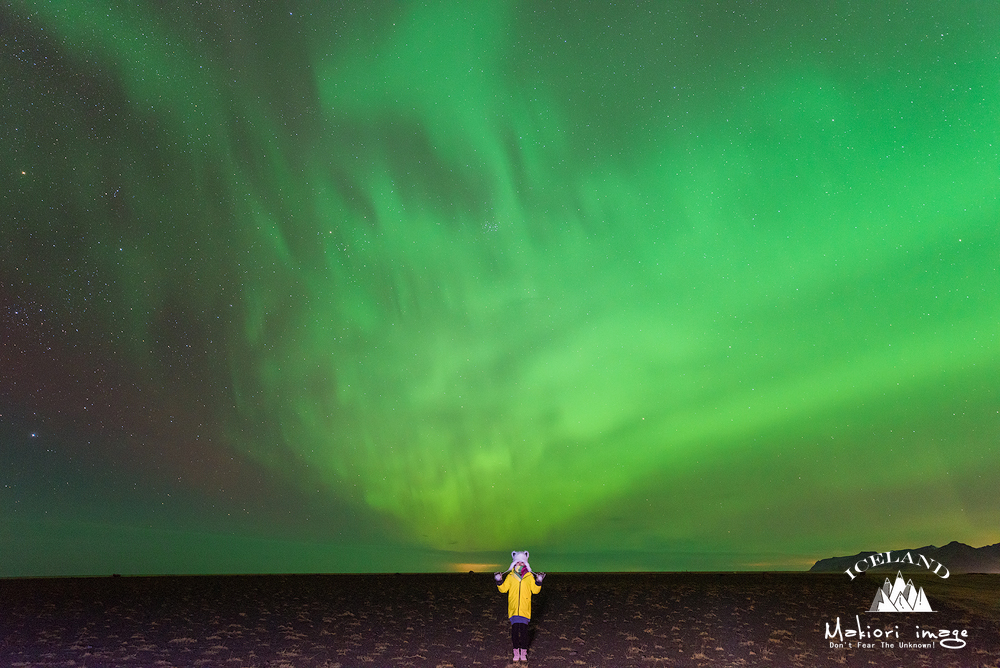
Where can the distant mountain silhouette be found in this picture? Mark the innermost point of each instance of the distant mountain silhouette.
(956, 557)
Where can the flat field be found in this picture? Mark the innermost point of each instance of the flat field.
(612, 619)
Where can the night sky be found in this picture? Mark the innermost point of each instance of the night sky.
(403, 286)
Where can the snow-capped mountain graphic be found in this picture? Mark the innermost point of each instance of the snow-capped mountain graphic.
(900, 596)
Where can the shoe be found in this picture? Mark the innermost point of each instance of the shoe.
(524, 655)
(517, 655)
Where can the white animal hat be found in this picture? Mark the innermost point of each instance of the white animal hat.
(519, 556)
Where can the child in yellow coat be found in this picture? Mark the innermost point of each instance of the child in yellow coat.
(519, 588)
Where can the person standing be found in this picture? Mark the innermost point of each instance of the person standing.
(519, 585)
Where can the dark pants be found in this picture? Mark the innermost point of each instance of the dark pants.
(519, 635)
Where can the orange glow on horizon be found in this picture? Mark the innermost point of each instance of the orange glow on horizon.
(478, 568)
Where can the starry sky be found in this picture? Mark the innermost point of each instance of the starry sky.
(323, 286)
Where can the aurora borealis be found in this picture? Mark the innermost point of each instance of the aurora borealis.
(397, 286)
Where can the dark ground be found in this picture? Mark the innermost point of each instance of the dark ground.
(618, 619)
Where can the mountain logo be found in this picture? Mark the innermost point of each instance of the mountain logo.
(900, 596)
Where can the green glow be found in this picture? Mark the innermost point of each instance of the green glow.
(671, 281)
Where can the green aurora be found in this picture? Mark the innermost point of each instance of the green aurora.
(403, 286)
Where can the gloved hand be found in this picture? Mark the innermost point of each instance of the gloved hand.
(498, 577)
(539, 577)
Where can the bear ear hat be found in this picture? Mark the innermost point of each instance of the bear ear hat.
(519, 556)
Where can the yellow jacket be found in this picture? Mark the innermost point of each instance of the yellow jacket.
(519, 591)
